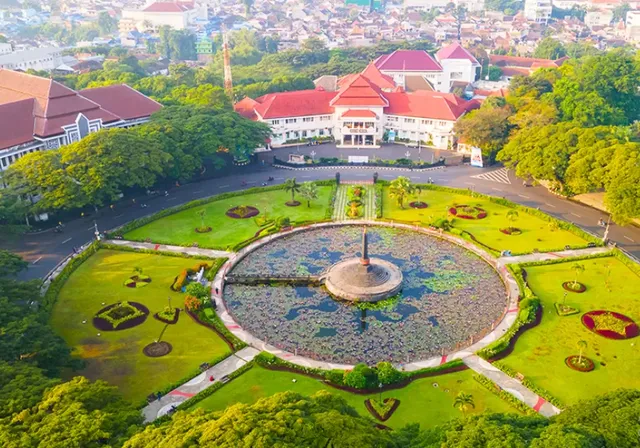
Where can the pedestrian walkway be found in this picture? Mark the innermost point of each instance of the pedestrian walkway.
(342, 201)
(195, 251)
(500, 176)
(197, 384)
(544, 256)
(511, 385)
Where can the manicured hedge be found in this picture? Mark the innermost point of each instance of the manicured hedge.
(506, 396)
(379, 190)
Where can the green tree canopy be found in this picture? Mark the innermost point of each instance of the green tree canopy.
(549, 48)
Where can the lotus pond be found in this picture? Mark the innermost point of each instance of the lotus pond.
(449, 295)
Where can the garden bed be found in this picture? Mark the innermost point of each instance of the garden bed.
(610, 324)
(584, 364)
(137, 281)
(203, 229)
(418, 204)
(157, 349)
(163, 318)
(242, 212)
(120, 316)
(468, 212)
(292, 203)
(382, 412)
(565, 310)
(576, 287)
(514, 231)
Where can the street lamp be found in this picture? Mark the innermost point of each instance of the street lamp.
(380, 394)
(606, 230)
(96, 231)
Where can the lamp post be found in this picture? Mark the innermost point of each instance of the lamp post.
(380, 394)
(96, 232)
(606, 230)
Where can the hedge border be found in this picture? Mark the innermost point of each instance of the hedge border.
(503, 394)
(137, 223)
(531, 386)
(564, 225)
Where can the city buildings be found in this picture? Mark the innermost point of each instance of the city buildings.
(633, 26)
(175, 14)
(538, 10)
(36, 59)
(39, 113)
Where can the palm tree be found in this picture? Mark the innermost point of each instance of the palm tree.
(292, 186)
(464, 401)
(137, 270)
(400, 188)
(512, 215)
(309, 191)
(201, 213)
(577, 268)
(582, 345)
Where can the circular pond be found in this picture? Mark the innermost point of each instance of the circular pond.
(448, 295)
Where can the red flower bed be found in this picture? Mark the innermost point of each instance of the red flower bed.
(242, 212)
(418, 204)
(465, 212)
(587, 365)
(610, 324)
(511, 231)
(579, 288)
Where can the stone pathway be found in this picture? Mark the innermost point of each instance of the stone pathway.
(511, 385)
(158, 408)
(210, 253)
(544, 256)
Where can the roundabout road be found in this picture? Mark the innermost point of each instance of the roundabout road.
(45, 250)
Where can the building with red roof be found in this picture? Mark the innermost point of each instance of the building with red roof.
(515, 65)
(359, 113)
(451, 64)
(39, 113)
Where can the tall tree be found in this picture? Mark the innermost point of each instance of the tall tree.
(400, 188)
(549, 48)
(309, 191)
(486, 128)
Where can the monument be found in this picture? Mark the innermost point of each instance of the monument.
(364, 279)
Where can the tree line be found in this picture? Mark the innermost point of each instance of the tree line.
(573, 127)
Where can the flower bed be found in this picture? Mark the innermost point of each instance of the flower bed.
(584, 364)
(292, 203)
(203, 229)
(418, 204)
(610, 324)
(565, 310)
(120, 316)
(168, 316)
(242, 212)
(468, 212)
(182, 278)
(574, 287)
(382, 411)
(137, 281)
(157, 349)
(511, 231)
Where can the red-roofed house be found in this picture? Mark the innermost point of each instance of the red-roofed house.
(358, 114)
(39, 113)
(451, 64)
(514, 65)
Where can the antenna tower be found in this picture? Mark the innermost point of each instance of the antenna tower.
(228, 81)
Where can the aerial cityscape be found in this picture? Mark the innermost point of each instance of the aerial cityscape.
(349, 223)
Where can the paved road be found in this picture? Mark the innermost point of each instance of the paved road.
(45, 250)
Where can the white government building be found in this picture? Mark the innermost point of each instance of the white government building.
(367, 108)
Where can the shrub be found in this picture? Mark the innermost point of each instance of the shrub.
(181, 279)
(361, 377)
(282, 221)
(198, 290)
(192, 303)
(335, 376)
(387, 374)
(441, 223)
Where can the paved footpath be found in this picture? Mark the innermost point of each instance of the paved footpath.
(511, 385)
(544, 256)
(167, 248)
(158, 408)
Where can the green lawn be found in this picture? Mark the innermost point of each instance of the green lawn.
(540, 352)
(179, 228)
(420, 401)
(116, 356)
(535, 231)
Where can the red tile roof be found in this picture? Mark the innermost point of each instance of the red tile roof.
(168, 7)
(122, 101)
(54, 105)
(359, 113)
(294, 104)
(455, 51)
(516, 61)
(246, 108)
(16, 123)
(407, 60)
(359, 92)
(373, 74)
(426, 104)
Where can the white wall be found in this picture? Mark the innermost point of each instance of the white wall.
(457, 70)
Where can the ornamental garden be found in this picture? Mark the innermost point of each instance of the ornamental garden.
(149, 320)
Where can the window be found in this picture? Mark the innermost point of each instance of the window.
(442, 123)
(304, 133)
(290, 120)
(392, 119)
(428, 122)
(275, 122)
(296, 134)
(409, 120)
(321, 132)
(307, 119)
(457, 75)
(288, 135)
(325, 118)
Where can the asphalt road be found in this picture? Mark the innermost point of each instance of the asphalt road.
(45, 250)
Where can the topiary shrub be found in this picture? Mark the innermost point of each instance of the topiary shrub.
(198, 290)
(361, 377)
(387, 374)
(335, 376)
